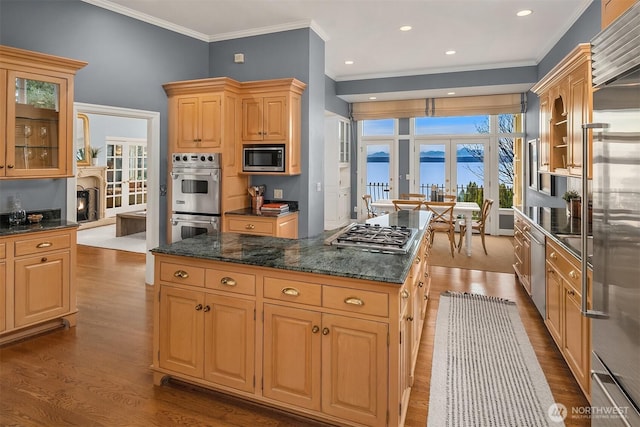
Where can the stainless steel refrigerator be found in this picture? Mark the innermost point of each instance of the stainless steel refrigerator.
(615, 311)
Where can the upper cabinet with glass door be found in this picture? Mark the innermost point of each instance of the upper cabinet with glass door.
(36, 114)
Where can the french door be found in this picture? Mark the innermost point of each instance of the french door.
(377, 161)
(126, 175)
(452, 167)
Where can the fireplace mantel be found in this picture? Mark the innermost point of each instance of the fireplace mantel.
(94, 176)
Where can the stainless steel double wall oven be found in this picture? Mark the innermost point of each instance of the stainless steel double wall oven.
(195, 194)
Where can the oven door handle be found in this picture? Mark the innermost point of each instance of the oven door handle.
(190, 221)
(175, 175)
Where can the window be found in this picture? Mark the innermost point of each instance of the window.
(461, 125)
(384, 127)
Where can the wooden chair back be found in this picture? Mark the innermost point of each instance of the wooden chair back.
(450, 198)
(367, 204)
(442, 212)
(407, 205)
(412, 196)
(484, 212)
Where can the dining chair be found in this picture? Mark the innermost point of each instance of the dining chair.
(407, 204)
(450, 198)
(367, 204)
(442, 221)
(412, 196)
(478, 225)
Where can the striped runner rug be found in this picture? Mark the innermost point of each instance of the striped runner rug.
(485, 372)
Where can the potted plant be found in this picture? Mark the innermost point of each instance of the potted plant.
(572, 197)
(94, 151)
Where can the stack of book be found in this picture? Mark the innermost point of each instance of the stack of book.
(275, 207)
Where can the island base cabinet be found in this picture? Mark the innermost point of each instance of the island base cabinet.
(355, 373)
(207, 336)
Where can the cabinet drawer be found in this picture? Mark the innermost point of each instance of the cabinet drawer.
(231, 281)
(251, 227)
(292, 291)
(181, 274)
(3, 250)
(355, 300)
(42, 244)
(560, 260)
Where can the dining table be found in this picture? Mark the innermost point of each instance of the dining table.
(465, 209)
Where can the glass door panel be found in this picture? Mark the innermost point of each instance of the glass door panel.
(379, 166)
(126, 176)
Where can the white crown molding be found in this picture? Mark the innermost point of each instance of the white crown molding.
(105, 4)
(270, 29)
(408, 73)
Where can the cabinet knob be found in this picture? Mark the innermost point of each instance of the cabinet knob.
(573, 274)
(315, 329)
(420, 284)
(353, 301)
(10, 166)
(198, 307)
(417, 260)
(409, 318)
(571, 292)
(404, 294)
(44, 259)
(206, 308)
(551, 270)
(325, 331)
(553, 255)
(250, 226)
(426, 297)
(1, 166)
(291, 292)
(228, 281)
(181, 274)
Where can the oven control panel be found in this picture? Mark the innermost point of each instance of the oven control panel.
(196, 160)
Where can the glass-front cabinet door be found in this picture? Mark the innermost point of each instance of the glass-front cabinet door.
(36, 125)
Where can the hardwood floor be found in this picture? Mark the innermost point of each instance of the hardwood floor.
(97, 374)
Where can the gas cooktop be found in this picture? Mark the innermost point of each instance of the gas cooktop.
(375, 238)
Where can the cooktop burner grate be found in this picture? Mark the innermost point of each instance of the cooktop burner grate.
(391, 239)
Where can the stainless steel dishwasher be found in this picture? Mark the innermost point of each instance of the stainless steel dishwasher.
(538, 268)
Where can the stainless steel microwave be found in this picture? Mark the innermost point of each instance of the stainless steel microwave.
(263, 158)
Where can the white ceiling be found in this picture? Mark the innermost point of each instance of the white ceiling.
(485, 34)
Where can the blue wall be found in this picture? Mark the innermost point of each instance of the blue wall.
(128, 62)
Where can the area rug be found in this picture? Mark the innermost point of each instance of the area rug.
(105, 237)
(485, 372)
(500, 258)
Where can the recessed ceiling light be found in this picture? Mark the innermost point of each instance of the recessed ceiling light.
(372, 98)
(524, 12)
(451, 93)
(406, 28)
(348, 62)
(450, 52)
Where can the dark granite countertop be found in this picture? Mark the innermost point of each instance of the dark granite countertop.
(556, 224)
(44, 225)
(308, 255)
(251, 212)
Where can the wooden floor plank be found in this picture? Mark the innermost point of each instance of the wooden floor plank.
(97, 374)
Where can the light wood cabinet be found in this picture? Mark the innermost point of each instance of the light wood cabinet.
(612, 9)
(522, 250)
(203, 333)
(36, 114)
(281, 226)
(565, 105)
(37, 282)
(335, 349)
(271, 114)
(569, 328)
(199, 122)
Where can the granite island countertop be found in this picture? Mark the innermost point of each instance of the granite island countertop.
(556, 224)
(309, 255)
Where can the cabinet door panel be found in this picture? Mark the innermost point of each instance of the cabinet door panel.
(554, 304)
(210, 122)
(3, 289)
(188, 114)
(275, 118)
(354, 369)
(229, 342)
(292, 356)
(252, 119)
(578, 115)
(181, 331)
(41, 288)
(576, 332)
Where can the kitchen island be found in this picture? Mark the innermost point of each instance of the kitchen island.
(324, 332)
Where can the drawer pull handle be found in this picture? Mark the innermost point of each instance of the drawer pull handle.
(291, 292)
(417, 260)
(181, 274)
(551, 270)
(10, 166)
(409, 318)
(228, 281)
(426, 297)
(571, 292)
(250, 226)
(44, 245)
(553, 255)
(44, 259)
(206, 308)
(573, 274)
(315, 329)
(420, 284)
(404, 294)
(198, 307)
(353, 301)
(325, 331)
